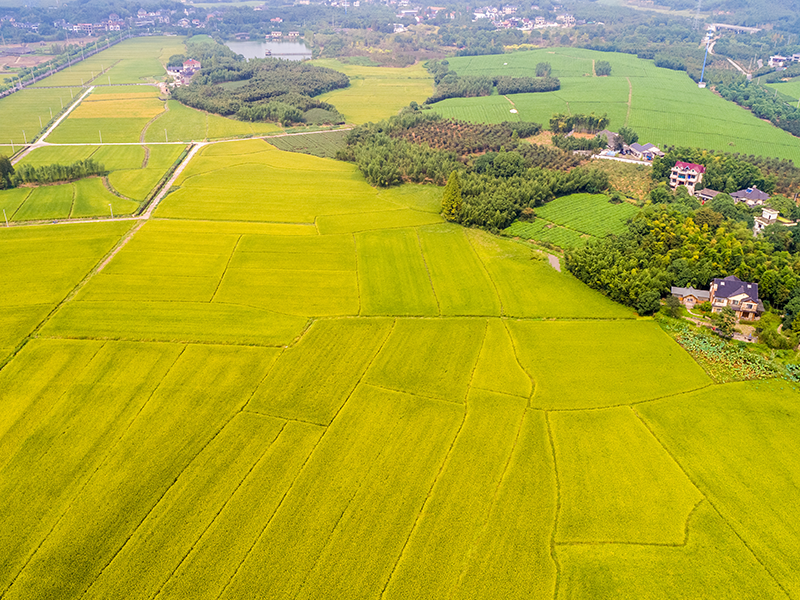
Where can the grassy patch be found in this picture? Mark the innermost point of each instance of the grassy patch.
(324, 145)
(541, 230)
(47, 202)
(92, 198)
(497, 369)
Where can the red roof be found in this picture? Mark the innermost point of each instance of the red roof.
(191, 63)
(684, 165)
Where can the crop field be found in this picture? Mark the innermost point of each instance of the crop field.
(289, 384)
(20, 112)
(588, 213)
(183, 123)
(684, 115)
(541, 230)
(377, 93)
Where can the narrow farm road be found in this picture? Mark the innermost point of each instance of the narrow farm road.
(160, 196)
(41, 140)
(630, 97)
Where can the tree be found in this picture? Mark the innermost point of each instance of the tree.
(673, 307)
(6, 171)
(602, 68)
(725, 321)
(543, 69)
(649, 302)
(628, 135)
(451, 199)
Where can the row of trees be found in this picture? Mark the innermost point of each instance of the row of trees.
(765, 103)
(450, 85)
(11, 177)
(592, 123)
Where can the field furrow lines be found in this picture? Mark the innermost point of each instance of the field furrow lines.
(424, 504)
(553, 550)
(428, 271)
(227, 266)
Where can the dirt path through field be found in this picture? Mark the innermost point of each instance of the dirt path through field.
(594, 73)
(630, 97)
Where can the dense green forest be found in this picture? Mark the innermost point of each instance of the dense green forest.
(496, 186)
(671, 245)
(267, 89)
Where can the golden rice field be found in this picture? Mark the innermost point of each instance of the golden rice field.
(289, 384)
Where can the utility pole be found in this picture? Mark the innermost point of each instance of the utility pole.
(111, 208)
(166, 138)
(5, 217)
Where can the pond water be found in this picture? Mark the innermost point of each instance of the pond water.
(257, 49)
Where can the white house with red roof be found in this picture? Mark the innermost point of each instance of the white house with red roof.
(688, 174)
(191, 65)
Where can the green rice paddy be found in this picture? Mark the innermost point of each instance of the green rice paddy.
(665, 107)
(288, 384)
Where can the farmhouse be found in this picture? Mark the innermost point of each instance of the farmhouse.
(739, 295)
(768, 217)
(688, 174)
(751, 196)
(645, 152)
(690, 296)
(706, 195)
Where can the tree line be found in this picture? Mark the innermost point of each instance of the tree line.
(22, 174)
(451, 85)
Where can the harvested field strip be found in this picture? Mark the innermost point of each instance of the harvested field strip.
(312, 380)
(64, 445)
(213, 561)
(510, 556)
(432, 563)
(738, 443)
(393, 278)
(459, 279)
(622, 362)
(174, 321)
(498, 369)
(716, 558)
(176, 523)
(326, 539)
(618, 488)
(201, 393)
(433, 358)
(519, 280)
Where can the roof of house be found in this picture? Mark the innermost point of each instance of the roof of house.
(690, 291)
(694, 166)
(707, 193)
(752, 193)
(733, 286)
(646, 148)
(608, 134)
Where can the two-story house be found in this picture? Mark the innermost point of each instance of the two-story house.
(739, 295)
(688, 174)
